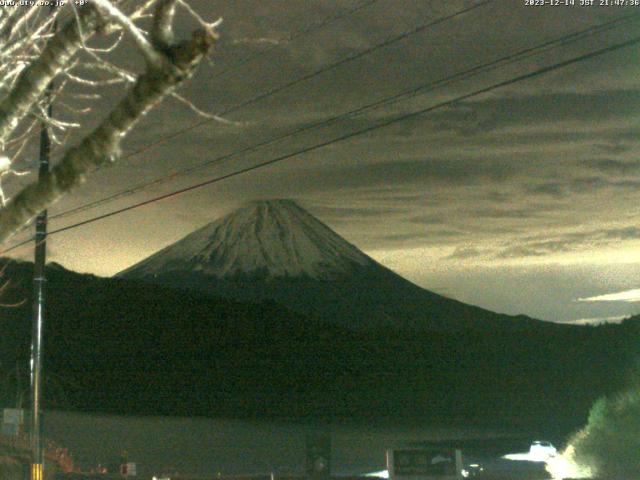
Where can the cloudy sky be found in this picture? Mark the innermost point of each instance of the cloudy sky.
(521, 200)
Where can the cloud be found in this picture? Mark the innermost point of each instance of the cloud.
(428, 219)
(349, 212)
(495, 113)
(537, 249)
(541, 245)
(464, 253)
(401, 237)
(552, 189)
(576, 183)
(613, 166)
(624, 296)
(505, 212)
(443, 171)
(613, 148)
(625, 233)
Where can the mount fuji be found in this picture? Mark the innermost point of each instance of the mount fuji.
(275, 250)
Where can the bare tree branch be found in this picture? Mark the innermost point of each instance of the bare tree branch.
(178, 62)
(202, 113)
(162, 31)
(145, 47)
(27, 78)
(33, 81)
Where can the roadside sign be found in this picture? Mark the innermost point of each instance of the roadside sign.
(13, 415)
(12, 420)
(424, 464)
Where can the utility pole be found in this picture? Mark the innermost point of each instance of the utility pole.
(39, 286)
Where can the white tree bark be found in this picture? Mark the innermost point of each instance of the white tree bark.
(173, 63)
(33, 81)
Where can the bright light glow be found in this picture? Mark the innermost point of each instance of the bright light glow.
(559, 466)
(466, 472)
(626, 296)
(563, 466)
(538, 452)
(523, 457)
(380, 474)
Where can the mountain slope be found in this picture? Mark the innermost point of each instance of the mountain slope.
(275, 250)
(128, 347)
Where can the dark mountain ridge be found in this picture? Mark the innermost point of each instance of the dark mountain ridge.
(127, 347)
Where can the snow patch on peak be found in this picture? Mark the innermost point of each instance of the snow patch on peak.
(274, 238)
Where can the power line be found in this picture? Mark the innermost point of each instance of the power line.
(389, 41)
(20, 244)
(282, 87)
(327, 68)
(294, 36)
(505, 60)
(327, 21)
(401, 118)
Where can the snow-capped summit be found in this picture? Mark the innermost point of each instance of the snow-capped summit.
(270, 238)
(276, 251)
